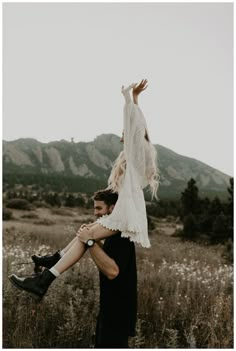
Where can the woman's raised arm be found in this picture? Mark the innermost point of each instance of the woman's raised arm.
(137, 89)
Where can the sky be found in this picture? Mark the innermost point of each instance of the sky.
(64, 65)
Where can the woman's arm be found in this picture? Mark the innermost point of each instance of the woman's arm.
(137, 89)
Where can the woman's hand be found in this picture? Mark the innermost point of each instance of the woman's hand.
(85, 234)
(138, 89)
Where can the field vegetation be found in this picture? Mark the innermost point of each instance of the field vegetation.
(185, 288)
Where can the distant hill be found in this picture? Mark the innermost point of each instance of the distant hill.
(89, 163)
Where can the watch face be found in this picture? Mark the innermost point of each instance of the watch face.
(90, 242)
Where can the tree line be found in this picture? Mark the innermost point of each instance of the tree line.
(200, 216)
(42, 198)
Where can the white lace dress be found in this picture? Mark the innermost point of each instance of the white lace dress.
(129, 214)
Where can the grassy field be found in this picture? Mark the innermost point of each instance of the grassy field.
(185, 290)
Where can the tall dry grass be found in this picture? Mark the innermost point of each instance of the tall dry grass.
(185, 291)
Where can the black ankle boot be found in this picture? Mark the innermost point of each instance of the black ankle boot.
(47, 261)
(37, 286)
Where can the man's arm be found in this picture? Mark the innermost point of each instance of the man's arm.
(104, 262)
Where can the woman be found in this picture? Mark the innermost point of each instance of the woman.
(134, 169)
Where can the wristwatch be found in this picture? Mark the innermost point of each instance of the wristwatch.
(90, 243)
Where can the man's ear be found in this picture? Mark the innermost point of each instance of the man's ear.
(111, 208)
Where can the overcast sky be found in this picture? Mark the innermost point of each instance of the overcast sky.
(64, 64)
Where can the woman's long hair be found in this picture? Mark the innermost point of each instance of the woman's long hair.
(119, 167)
(117, 173)
(153, 174)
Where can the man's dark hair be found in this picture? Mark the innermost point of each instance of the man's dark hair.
(106, 195)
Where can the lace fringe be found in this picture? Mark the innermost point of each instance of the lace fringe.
(131, 234)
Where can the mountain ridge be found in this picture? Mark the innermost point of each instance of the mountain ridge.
(94, 160)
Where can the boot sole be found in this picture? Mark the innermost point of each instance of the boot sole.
(33, 295)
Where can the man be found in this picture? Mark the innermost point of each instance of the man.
(116, 262)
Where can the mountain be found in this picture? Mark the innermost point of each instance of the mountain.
(91, 162)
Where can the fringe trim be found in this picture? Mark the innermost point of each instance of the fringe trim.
(131, 234)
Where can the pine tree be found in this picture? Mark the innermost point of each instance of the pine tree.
(189, 198)
(231, 200)
(70, 201)
(230, 210)
(220, 229)
(215, 207)
(79, 201)
(190, 226)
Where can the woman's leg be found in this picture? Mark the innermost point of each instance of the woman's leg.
(49, 261)
(98, 232)
(74, 240)
(77, 249)
(74, 253)
(69, 245)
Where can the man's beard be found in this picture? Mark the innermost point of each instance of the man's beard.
(104, 214)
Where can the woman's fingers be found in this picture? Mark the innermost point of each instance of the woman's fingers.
(144, 82)
(142, 86)
(81, 227)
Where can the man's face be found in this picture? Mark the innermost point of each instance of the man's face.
(100, 208)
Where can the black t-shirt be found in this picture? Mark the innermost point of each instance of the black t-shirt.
(118, 297)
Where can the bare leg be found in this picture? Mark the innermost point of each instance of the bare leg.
(75, 238)
(77, 249)
(70, 244)
(73, 255)
(98, 232)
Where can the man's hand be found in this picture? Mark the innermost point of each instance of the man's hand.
(138, 89)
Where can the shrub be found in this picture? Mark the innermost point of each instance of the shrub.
(89, 203)
(41, 204)
(70, 201)
(228, 253)
(205, 223)
(79, 201)
(53, 199)
(6, 214)
(220, 229)
(19, 204)
(30, 216)
(62, 212)
(190, 226)
(178, 232)
(44, 221)
(151, 224)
